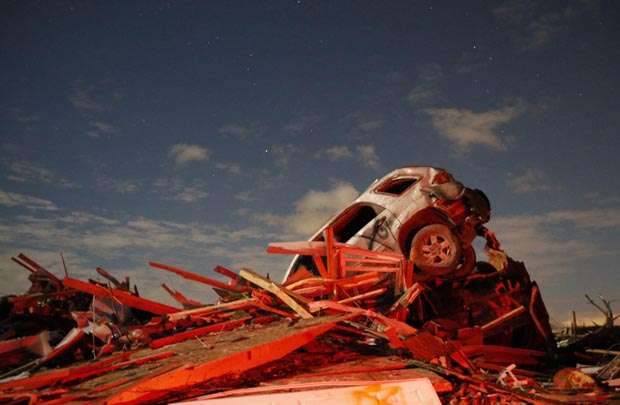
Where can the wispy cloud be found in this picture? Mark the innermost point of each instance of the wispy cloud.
(465, 128)
(594, 218)
(527, 181)
(180, 190)
(363, 123)
(183, 153)
(101, 129)
(127, 242)
(121, 186)
(235, 130)
(368, 156)
(9, 199)
(548, 246)
(312, 210)
(281, 154)
(365, 154)
(245, 196)
(426, 91)
(532, 28)
(20, 116)
(26, 172)
(305, 123)
(95, 97)
(335, 153)
(228, 167)
(371, 125)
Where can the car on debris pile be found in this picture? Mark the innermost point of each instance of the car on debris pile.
(421, 212)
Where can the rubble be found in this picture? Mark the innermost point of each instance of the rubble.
(348, 323)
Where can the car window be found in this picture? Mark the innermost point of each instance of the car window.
(396, 186)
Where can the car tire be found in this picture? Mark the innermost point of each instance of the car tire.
(436, 250)
(468, 264)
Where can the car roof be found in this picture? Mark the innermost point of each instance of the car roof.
(412, 171)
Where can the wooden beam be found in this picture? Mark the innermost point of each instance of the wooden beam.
(196, 277)
(276, 290)
(369, 294)
(190, 334)
(123, 297)
(501, 319)
(227, 306)
(330, 252)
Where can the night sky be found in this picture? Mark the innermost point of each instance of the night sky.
(194, 133)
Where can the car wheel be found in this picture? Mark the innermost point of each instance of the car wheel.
(435, 250)
(468, 264)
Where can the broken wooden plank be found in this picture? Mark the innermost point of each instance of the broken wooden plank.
(190, 334)
(246, 356)
(320, 266)
(123, 297)
(103, 273)
(369, 294)
(196, 277)
(304, 248)
(182, 299)
(227, 306)
(487, 327)
(403, 328)
(235, 280)
(44, 379)
(330, 252)
(276, 290)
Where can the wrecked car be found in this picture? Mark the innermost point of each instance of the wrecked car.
(421, 212)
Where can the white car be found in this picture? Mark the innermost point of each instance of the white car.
(421, 212)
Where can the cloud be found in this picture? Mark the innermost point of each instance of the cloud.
(183, 153)
(238, 131)
(528, 181)
(9, 199)
(180, 190)
(245, 196)
(125, 243)
(466, 128)
(426, 92)
(595, 218)
(302, 124)
(316, 207)
(125, 186)
(422, 96)
(282, 154)
(363, 122)
(312, 210)
(552, 243)
(335, 153)
(102, 129)
(26, 172)
(231, 168)
(118, 185)
(20, 116)
(372, 125)
(95, 97)
(531, 28)
(368, 156)
(365, 154)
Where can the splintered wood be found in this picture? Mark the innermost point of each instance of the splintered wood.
(357, 325)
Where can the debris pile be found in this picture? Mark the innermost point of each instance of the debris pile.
(354, 321)
(363, 321)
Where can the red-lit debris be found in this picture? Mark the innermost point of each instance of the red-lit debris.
(364, 323)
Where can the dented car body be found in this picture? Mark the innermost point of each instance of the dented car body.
(426, 202)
